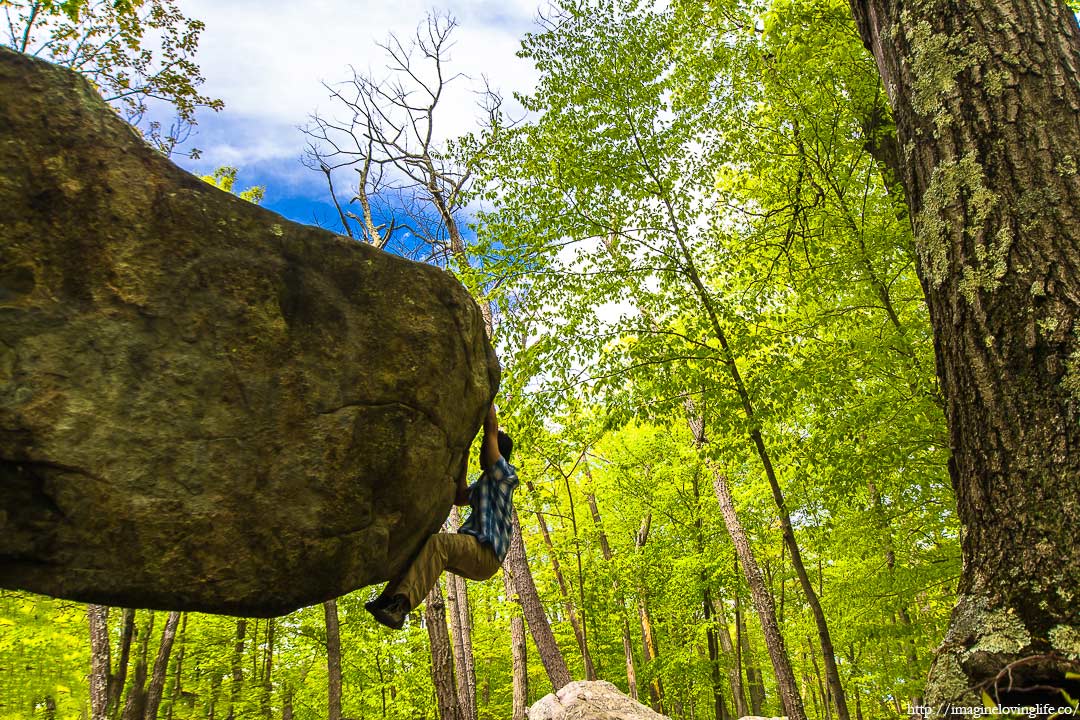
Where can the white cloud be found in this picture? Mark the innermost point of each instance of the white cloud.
(268, 59)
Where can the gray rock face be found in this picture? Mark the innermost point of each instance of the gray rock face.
(202, 405)
(591, 700)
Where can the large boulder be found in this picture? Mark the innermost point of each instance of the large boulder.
(202, 405)
(591, 700)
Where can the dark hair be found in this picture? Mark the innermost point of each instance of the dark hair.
(506, 447)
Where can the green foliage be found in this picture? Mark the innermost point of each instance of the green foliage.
(139, 54)
(224, 178)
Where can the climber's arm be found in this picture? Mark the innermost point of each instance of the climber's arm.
(461, 497)
(489, 451)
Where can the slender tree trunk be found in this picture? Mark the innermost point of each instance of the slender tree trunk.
(648, 640)
(119, 676)
(333, 660)
(986, 99)
(763, 603)
(539, 627)
(237, 668)
(734, 672)
(178, 670)
(754, 679)
(156, 689)
(135, 706)
(518, 652)
(568, 601)
(268, 672)
(628, 648)
(461, 625)
(100, 661)
(713, 641)
(442, 661)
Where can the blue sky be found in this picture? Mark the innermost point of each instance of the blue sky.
(267, 59)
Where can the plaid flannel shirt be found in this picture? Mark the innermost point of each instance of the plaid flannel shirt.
(492, 500)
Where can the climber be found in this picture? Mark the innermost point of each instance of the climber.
(476, 551)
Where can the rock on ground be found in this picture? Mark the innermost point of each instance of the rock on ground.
(591, 700)
(202, 405)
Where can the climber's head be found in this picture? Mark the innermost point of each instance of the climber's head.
(506, 447)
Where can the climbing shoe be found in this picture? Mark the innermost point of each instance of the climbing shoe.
(389, 612)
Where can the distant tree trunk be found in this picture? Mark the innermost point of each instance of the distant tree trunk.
(100, 661)
(178, 671)
(237, 668)
(461, 626)
(119, 678)
(135, 707)
(268, 671)
(986, 100)
(161, 666)
(442, 661)
(518, 651)
(734, 671)
(568, 601)
(754, 679)
(713, 640)
(763, 603)
(648, 640)
(539, 627)
(628, 649)
(333, 660)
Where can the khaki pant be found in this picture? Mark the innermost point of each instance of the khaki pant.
(458, 553)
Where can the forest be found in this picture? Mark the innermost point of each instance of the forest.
(789, 358)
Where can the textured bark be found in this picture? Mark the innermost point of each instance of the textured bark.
(135, 704)
(734, 670)
(754, 680)
(539, 627)
(156, 688)
(564, 591)
(187, 378)
(518, 652)
(333, 660)
(442, 660)
(237, 668)
(649, 649)
(713, 641)
(986, 100)
(100, 663)
(628, 647)
(119, 676)
(461, 631)
(763, 603)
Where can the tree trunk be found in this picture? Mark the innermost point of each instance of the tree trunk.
(178, 671)
(268, 670)
(986, 99)
(754, 679)
(135, 706)
(161, 666)
(119, 678)
(648, 640)
(628, 648)
(237, 668)
(100, 662)
(713, 640)
(763, 603)
(539, 627)
(518, 652)
(735, 671)
(333, 660)
(442, 661)
(461, 627)
(568, 601)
